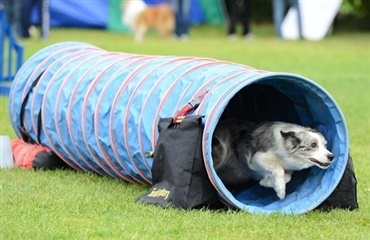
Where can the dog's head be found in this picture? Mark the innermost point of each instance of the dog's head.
(309, 146)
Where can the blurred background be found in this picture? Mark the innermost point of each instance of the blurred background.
(106, 14)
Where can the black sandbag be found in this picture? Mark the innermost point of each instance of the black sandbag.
(179, 176)
(345, 194)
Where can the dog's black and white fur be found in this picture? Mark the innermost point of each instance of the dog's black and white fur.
(268, 152)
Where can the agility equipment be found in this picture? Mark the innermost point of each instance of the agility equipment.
(316, 18)
(99, 112)
(11, 54)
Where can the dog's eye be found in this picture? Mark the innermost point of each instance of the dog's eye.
(313, 145)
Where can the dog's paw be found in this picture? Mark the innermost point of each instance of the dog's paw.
(281, 193)
(267, 181)
(277, 184)
(279, 187)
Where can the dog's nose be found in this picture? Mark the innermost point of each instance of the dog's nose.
(330, 157)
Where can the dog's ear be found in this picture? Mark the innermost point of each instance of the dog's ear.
(293, 139)
(286, 135)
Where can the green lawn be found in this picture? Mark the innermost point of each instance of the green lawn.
(77, 205)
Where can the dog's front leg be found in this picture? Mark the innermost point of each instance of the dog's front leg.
(140, 31)
(273, 174)
(276, 180)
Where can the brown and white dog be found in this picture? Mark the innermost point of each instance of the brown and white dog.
(141, 17)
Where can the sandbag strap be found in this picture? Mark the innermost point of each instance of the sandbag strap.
(188, 108)
(24, 134)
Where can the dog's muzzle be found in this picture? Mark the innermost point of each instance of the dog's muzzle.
(330, 157)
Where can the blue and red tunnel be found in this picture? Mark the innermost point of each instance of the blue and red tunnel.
(99, 112)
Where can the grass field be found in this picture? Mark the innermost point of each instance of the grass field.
(77, 205)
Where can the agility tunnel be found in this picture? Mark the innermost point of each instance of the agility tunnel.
(99, 112)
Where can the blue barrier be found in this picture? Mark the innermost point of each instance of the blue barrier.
(8, 46)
